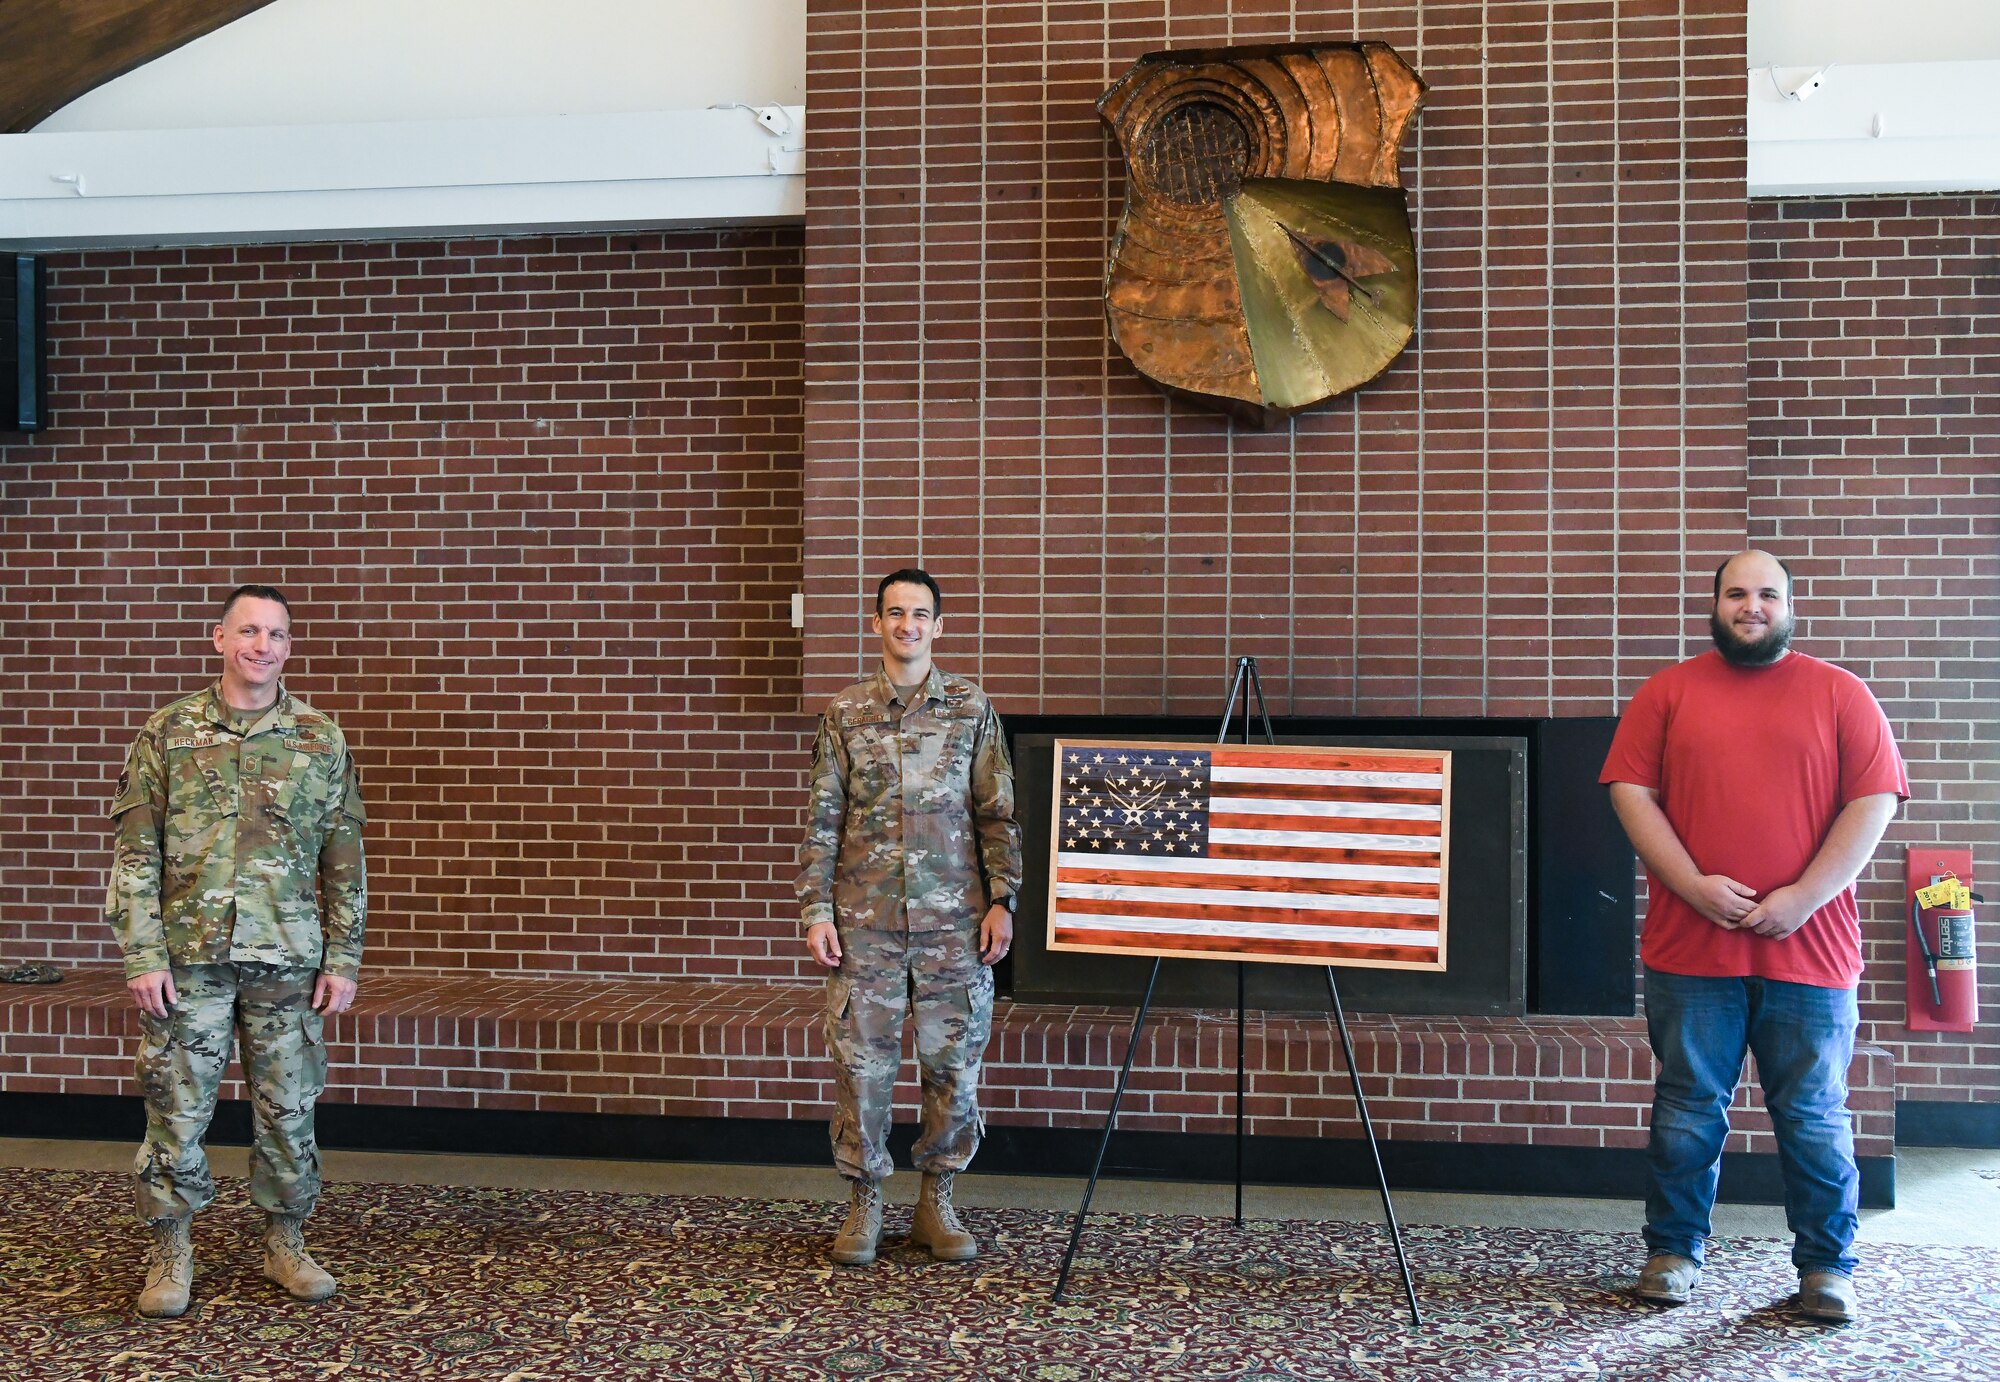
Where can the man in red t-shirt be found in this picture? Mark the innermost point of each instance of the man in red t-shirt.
(1755, 783)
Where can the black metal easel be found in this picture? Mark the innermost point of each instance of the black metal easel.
(1247, 684)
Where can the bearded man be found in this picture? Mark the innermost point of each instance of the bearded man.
(1755, 783)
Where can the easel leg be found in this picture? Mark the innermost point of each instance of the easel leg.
(1239, 1093)
(1368, 1128)
(1263, 710)
(1110, 1120)
(1246, 667)
(1246, 674)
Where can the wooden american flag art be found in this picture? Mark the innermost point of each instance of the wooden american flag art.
(1285, 853)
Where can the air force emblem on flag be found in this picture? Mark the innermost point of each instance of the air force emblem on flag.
(1251, 852)
(1135, 801)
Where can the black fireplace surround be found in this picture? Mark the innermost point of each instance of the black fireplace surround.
(1540, 883)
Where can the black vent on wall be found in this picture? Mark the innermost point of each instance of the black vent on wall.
(24, 382)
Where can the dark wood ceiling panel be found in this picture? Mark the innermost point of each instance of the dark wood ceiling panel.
(52, 51)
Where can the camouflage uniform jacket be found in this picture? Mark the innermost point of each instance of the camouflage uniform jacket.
(226, 841)
(911, 821)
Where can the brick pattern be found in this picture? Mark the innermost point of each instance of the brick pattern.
(752, 1050)
(455, 436)
(539, 502)
(1503, 524)
(536, 504)
(1875, 468)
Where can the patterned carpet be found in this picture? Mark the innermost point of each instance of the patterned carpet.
(524, 1286)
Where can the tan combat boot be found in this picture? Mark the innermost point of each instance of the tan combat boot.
(169, 1269)
(936, 1225)
(287, 1262)
(854, 1245)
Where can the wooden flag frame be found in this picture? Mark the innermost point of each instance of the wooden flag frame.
(1341, 903)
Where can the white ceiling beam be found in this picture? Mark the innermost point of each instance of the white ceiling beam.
(1861, 129)
(378, 180)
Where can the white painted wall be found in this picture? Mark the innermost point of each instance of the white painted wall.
(313, 62)
(1861, 96)
(456, 87)
(368, 119)
(308, 62)
(329, 62)
(1813, 33)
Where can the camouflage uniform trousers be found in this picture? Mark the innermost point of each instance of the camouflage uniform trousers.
(881, 975)
(181, 1061)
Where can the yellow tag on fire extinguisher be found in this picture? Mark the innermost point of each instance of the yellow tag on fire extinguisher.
(1943, 893)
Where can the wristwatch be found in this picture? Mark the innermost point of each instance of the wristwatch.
(1010, 901)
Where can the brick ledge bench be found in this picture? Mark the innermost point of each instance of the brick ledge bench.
(752, 1050)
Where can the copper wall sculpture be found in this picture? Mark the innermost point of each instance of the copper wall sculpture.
(1264, 262)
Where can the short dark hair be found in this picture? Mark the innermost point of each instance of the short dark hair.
(254, 592)
(910, 575)
(1725, 566)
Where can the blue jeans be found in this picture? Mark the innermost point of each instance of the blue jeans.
(1803, 1038)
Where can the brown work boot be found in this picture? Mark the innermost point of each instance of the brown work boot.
(1828, 1296)
(287, 1262)
(936, 1225)
(169, 1269)
(1667, 1279)
(854, 1245)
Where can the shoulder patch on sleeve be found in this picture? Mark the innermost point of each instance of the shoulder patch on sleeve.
(127, 796)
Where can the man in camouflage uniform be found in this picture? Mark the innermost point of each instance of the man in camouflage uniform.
(908, 876)
(239, 897)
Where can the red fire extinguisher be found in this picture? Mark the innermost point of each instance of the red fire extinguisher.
(1943, 971)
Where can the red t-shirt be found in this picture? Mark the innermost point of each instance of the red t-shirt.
(1752, 765)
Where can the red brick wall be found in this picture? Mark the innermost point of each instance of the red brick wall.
(536, 503)
(1875, 468)
(1504, 523)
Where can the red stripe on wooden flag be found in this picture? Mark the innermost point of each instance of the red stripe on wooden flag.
(1230, 945)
